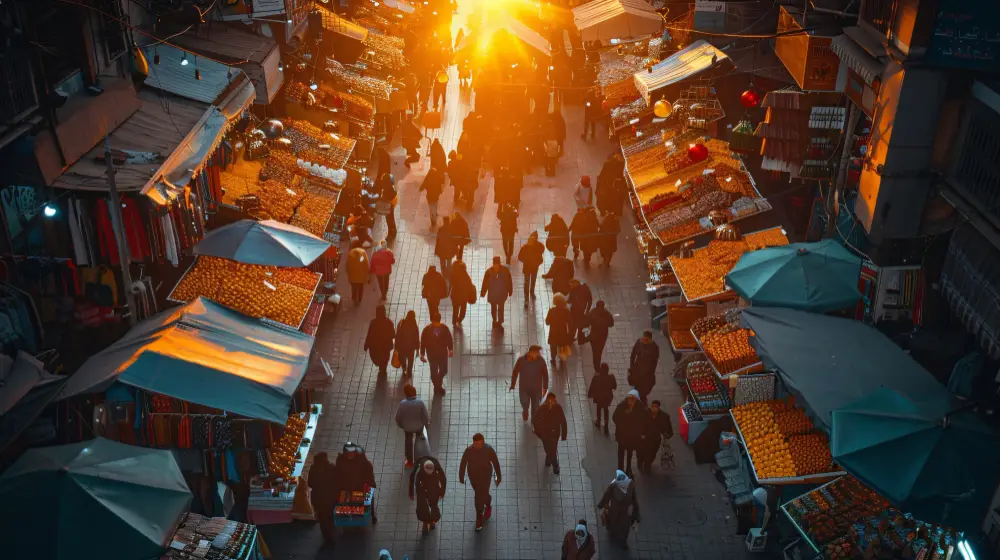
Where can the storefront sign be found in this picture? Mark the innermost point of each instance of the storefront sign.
(860, 93)
(808, 58)
(709, 6)
(966, 35)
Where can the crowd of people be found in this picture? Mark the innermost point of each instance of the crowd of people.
(517, 125)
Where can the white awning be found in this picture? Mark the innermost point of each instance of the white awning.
(856, 58)
(685, 63)
(616, 19)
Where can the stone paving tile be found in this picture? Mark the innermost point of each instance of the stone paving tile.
(685, 512)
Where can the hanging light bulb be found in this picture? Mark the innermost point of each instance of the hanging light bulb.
(184, 60)
(313, 86)
(49, 210)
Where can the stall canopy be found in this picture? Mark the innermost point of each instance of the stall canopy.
(25, 390)
(831, 362)
(616, 19)
(815, 277)
(207, 354)
(267, 243)
(932, 458)
(686, 63)
(82, 501)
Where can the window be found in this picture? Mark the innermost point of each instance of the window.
(112, 31)
(978, 167)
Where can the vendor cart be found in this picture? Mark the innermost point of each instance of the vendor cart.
(354, 508)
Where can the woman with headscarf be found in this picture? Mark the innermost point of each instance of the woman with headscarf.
(427, 487)
(462, 291)
(559, 321)
(558, 240)
(407, 342)
(619, 508)
(438, 159)
(578, 543)
(378, 342)
(608, 238)
(322, 483)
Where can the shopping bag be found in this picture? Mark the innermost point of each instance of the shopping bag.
(432, 119)
(396, 363)
(583, 336)
(666, 454)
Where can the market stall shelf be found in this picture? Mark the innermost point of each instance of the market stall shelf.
(272, 498)
(281, 295)
(707, 393)
(726, 345)
(213, 537)
(354, 508)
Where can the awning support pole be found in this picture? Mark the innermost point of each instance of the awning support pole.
(118, 224)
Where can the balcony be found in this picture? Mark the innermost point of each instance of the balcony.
(19, 98)
(879, 14)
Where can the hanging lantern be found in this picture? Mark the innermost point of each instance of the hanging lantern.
(140, 66)
(634, 129)
(662, 109)
(605, 106)
(698, 152)
(442, 77)
(742, 139)
(273, 128)
(750, 99)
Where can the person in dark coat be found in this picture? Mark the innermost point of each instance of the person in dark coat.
(432, 187)
(584, 228)
(407, 342)
(531, 256)
(580, 301)
(602, 392)
(592, 112)
(558, 239)
(385, 186)
(508, 229)
(549, 424)
(323, 495)
(612, 170)
(438, 159)
(353, 472)
(619, 196)
(561, 271)
(445, 246)
(578, 544)
(600, 321)
(461, 234)
(436, 347)
(559, 321)
(658, 426)
(534, 375)
(427, 487)
(411, 141)
(620, 508)
(497, 286)
(378, 342)
(462, 291)
(642, 365)
(483, 466)
(434, 288)
(630, 421)
(608, 239)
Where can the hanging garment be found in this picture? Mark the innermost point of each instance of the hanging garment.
(80, 249)
(106, 233)
(171, 248)
(135, 230)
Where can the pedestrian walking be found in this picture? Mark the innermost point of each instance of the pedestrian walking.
(483, 467)
(619, 508)
(407, 342)
(658, 428)
(354, 472)
(381, 266)
(460, 233)
(580, 301)
(558, 239)
(583, 195)
(642, 365)
(411, 137)
(602, 392)
(592, 112)
(549, 423)
(497, 286)
(434, 288)
(630, 420)
(412, 417)
(462, 291)
(608, 239)
(385, 187)
(436, 347)
(585, 234)
(578, 544)
(427, 487)
(438, 159)
(531, 256)
(359, 225)
(323, 495)
(508, 229)
(559, 321)
(612, 170)
(432, 187)
(557, 126)
(357, 272)
(439, 93)
(444, 246)
(378, 342)
(561, 272)
(534, 375)
(600, 321)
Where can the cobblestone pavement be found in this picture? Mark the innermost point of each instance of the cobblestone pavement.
(685, 512)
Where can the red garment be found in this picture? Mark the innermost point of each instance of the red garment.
(135, 230)
(177, 217)
(106, 233)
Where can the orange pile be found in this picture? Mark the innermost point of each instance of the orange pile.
(810, 453)
(793, 422)
(780, 442)
(729, 349)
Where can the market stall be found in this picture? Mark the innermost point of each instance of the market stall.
(218, 538)
(353, 114)
(726, 345)
(608, 20)
(702, 274)
(615, 73)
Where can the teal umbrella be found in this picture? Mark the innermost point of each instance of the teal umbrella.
(93, 500)
(929, 457)
(816, 277)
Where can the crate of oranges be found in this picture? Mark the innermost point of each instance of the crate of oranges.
(726, 345)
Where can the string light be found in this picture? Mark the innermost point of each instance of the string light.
(184, 60)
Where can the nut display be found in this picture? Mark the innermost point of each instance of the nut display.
(257, 291)
(622, 114)
(315, 211)
(754, 388)
(388, 51)
(776, 454)
(354, 82)
(314, 145)
(703, 274)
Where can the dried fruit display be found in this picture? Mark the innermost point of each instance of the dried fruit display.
(282, 455)
(774, 454)
(705, 325)
(315, 211)
(681, 231)
(709, 394)
(623, 114)
(773, 237)
(385, 50)
(312, 144)
(754, 388)
(729, 350)
(703, 274)
(680, 368)
(354, 82)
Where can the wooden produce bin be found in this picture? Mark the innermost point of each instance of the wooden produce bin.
(677, 327)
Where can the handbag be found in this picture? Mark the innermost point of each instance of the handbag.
(383, 207)
(583, 336)
(396, 363)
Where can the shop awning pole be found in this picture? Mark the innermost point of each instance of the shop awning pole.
(118, 224)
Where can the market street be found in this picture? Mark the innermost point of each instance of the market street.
(685, 513)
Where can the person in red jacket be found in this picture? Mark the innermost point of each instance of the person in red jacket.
(381, 267)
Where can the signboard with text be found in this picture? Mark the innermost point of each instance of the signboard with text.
(808, 58)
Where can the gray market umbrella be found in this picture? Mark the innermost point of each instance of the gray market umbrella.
(93, 500)
(268, 243)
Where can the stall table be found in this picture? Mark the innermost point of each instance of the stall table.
(354, 509)
(274, 505)
(200, 537)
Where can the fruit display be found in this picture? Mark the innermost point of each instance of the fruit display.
(691, 412)
(315, 211)
(356, 83)
(729, 350)
(709, 394)
(754, 388)
(281, 295)
(284, 452)
(314, 145)
(386, 50)
(703, 274)
(772, 431)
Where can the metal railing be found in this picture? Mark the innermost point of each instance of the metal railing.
(18, 96)
(879, 14)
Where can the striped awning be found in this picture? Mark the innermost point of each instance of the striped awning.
(856, 58)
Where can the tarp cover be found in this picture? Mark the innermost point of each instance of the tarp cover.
(207, 354)
(683, 64)
(93, 500)
(616, 19)
(267, 243)
(830, 362)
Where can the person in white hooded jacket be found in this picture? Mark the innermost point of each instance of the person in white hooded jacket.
(584, 194)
